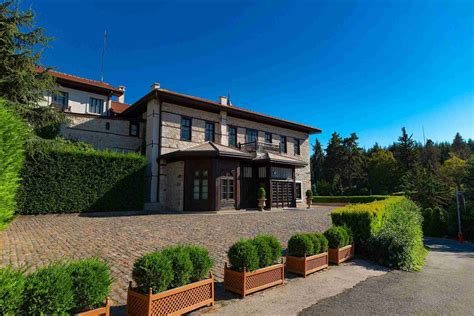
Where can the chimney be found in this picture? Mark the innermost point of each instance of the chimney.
(155, 85)
(121, 98)
(223, 100)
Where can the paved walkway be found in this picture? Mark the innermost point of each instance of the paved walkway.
(36, 240)
(444, 287)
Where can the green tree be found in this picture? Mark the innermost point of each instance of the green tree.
(21, 46)
(382, 172)
(333, 161)
(405, 151)
(459, 147)
(430, 156)
(317, 162)
(353, 165)
(453, 171)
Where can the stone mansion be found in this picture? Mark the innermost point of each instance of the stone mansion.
(203, 155)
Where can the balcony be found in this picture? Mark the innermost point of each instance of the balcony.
(259, 147)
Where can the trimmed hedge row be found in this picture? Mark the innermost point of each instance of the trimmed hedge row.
(12, 142)
(252, 254)
(349, 199)
(60, 288)
(388, 231)
(61, 177)
(171, 267)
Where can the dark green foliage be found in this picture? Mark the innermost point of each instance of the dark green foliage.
(59, 177)
(181, 264)
(316, 163)
(348, 199)
(243, 254)
(261, 194)
(323, 241)
(91, 283)
(382, 172)
(399, 242)
(300, 245)
(309, 194)
(12, 143)
(49, 291)
(201, 262)
(153, 270)
(12, 285)
(435, 221)
(275, 246)
(316, 244)
(264, 252)
(405, 151)
(337, 237)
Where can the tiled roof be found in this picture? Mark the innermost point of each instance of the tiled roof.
(84, 81)
(272, 157)
(118, 107)
(209, 149)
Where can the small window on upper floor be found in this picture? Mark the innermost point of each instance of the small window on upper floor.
(210, 132)
(61, 98)
(96, 106)
(232, 136)
(186, 129)
(296, 145)
(251, 135)
(268, 137)
(283, 148)
(134, 129)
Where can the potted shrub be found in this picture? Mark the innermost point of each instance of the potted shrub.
(261, 195)
(175, 280)
(309, 198)
(307, 253)
(340, 243)
(254, 265)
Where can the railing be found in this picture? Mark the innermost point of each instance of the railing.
(257, 146)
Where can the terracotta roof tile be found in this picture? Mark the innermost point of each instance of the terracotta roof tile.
(118, 107)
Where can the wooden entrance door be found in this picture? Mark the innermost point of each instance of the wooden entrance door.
(282, 193)
(197, 186)
(248, 190)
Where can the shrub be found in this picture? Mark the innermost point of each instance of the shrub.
(243, 254)
(323, 241)
(261, 194)
(309, 194)
(275, 247)
(264, 252)
(91, 283)
(337, 237)
(12, 285)
(181, 263)
(316, 243)
(49, 290)
(12, 141)
(201, 262)
(59, 177)
(152, 270)
(349, 199)
(300, 245)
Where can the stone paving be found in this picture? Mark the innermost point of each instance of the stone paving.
(34, 241)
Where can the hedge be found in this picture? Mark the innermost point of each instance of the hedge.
(349, 199)
(61, 177)
(387, 223)
(12, 142)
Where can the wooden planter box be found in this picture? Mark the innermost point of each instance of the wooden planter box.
(339, 255)
(176, 301)
(307, 265)
(245, 282)
(101, 311)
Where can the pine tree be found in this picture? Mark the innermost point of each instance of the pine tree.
(333, 161)
(430, 156)
(459, 147)
(353, 171)
(405, 151)
(382, 172)
(316, 162)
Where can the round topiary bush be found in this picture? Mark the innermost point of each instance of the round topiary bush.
(12, 285)
(49, 291)
(300, 245)
(201, 262)
(243, 254)
(275, 246)
(316, 244)
(152, 270)
(181, 264)
(338, 237)
(91, 283)
(323, 241)
(264, 252)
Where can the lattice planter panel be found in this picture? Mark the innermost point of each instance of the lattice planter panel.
(307, 265)
(176, 301)
(340, 255)
(101, 311)
(245, 282)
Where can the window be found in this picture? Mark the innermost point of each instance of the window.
(200, 185)
(232, 136)
(185, 128)
(210, 132)
(296, 148)
(262, 172)
(251, 135)
(61, 98)
(134, 129)
(298, 190)
(227, 188)
(96, 106)
(247, 172)
(107, 126)
(268, 137)
(283, 148)
(282, 173)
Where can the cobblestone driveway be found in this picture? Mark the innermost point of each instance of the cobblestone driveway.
(36, 240)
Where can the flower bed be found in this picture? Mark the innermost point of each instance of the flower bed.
(253, 265)
(307, 253)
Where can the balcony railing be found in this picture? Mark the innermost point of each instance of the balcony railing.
(259, 147)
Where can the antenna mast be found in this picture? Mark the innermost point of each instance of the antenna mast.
(102, 58)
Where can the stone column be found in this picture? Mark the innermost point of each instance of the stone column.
(152, 148)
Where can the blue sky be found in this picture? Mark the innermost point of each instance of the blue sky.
(368, 67)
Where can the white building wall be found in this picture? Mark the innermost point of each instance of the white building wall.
(79, 101)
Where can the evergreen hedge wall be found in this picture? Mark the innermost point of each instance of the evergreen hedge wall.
(60, 177)
(349, 199)
(388, 231)
(12, 142)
